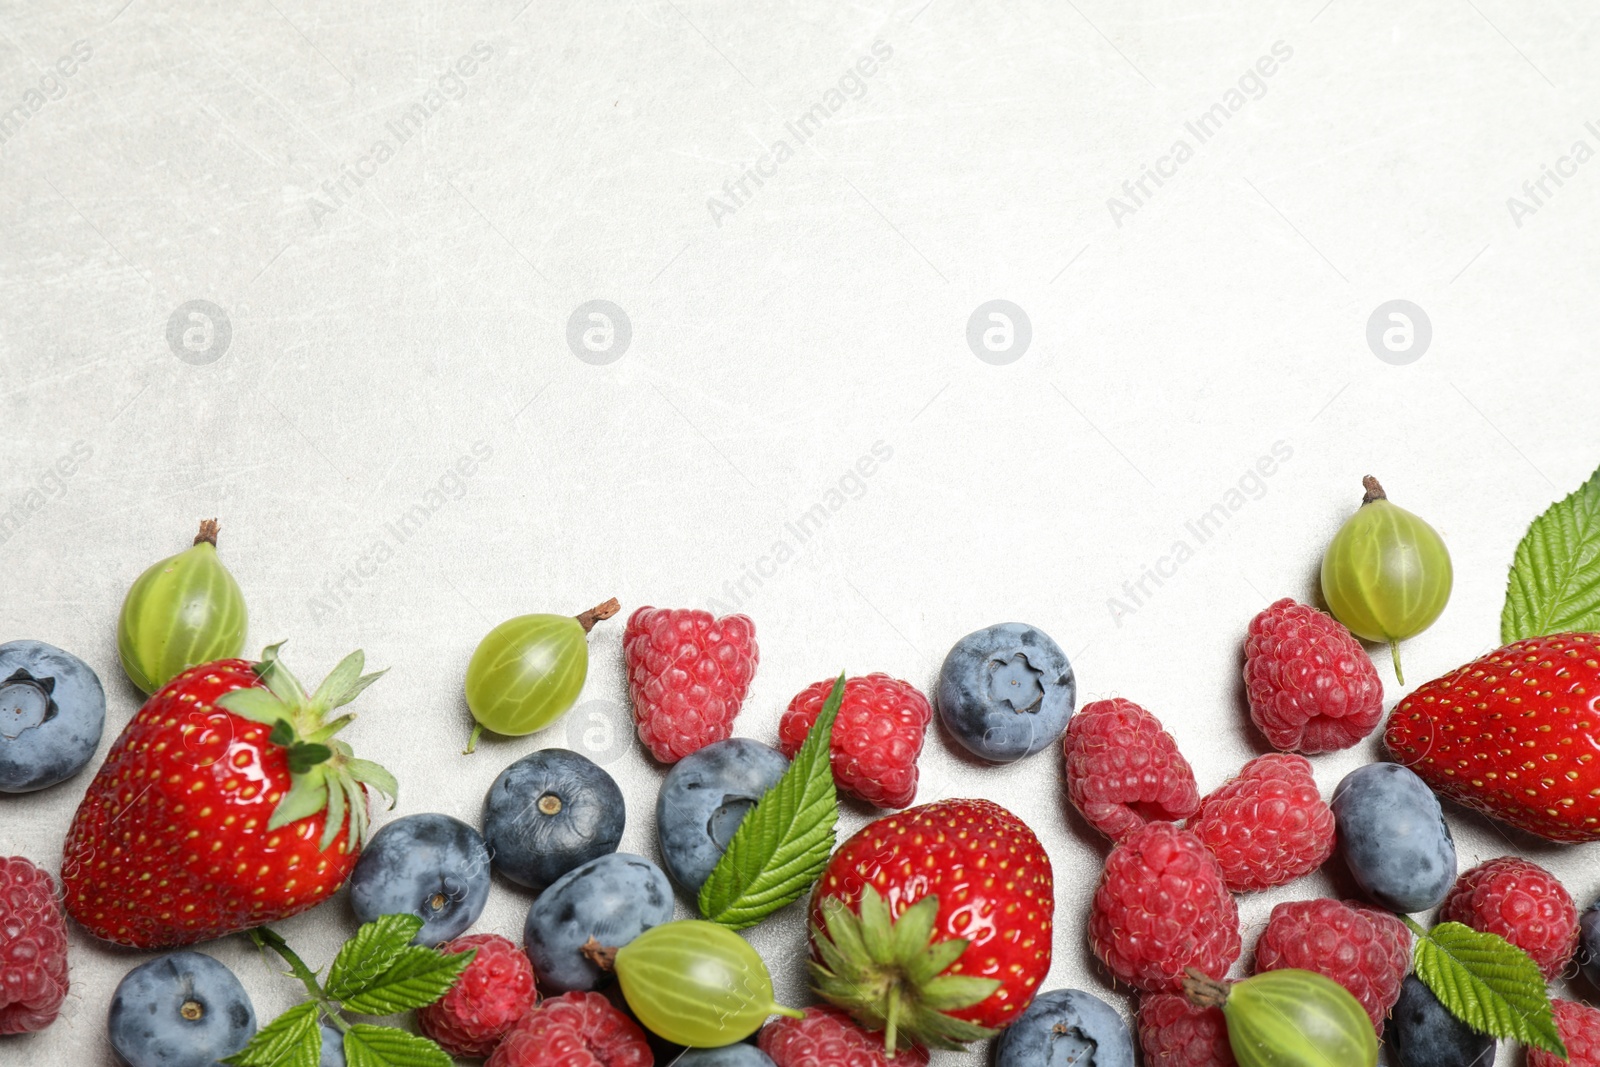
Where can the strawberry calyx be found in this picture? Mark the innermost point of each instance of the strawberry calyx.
(890, 973)
(324, 773)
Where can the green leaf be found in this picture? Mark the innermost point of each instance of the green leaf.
(417, 978)
(257, 705)
(1555, 577)
(783, 844)
(384, 1046)
(373, 950)
(1488, 983)
(291, 1040)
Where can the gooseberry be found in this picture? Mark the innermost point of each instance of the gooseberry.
(183, 611)
(1289, 1018)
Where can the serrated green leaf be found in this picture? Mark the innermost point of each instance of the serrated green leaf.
(1488, 983)
(418, 977)
(783, 843)
(384, 1046)
(257, 705)
(291, 1040)
(372, 951)
(1555, 576)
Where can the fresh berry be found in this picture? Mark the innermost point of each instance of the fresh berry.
(1365, 950)
(1124, 770)
(226, 803)
(1513, 735)
(432, 866)
(738, 1054)
(921, 867)
(528, 671)
(1006, 692)
(1268, 826)
(1580, 1032)
(1066, 1028)
(1289, 1018)
(828, 1037)
(493, 992)
(1393, 837)
(688, 673)
(703, 799)
(33, 948)
(695, 983)
(182, 611)
(1161, 908)
(877, 736)
(183, 1009)
(608, 901)
(332, 1054)
(1523, 903)
(549, 812)
(574, 1030)
(1589, 943)
(1422, 1033)
(52, 711)
(1312, 687)
(1175, 1033)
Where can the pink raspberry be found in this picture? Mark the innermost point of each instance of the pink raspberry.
(1175, 1033)
(1124, 770)
(1268, 826)
(1312, 687)
(688, 673)
(1523, 903)
(1161, 907)
(574, 1030)
(1365, 950)
(877, 736)
(827, 1037)
(493, 992)
(33, 948)
(1580, 1032)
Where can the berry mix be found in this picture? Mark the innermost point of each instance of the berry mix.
(230, 802)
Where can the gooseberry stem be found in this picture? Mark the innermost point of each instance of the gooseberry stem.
(1203, 991)
(264, 938)
(602, 956)
(600, 611)
(791, 1013)
(208, 533)
(472, 742)
(1374, 490)
(1394, 650)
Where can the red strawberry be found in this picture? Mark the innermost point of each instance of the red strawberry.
(225, 804)
(876, 738)
(1513, 734)
(688, 673)
(933, 924)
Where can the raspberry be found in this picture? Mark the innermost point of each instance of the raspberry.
(1580, 1032)
(1365, 950)
(1268, 826)
(1175, 1033)
(494, 992)
(574, 1030)
(1312, 686)
(1523, 903)
(876, 738)
(1160, 908)
(827, 1037)
(1124, 770)
(33, 948)
(687, 673)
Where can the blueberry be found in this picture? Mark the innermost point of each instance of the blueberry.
(431, 866)
(741, 1054)
(52, 711)
(704, 798)
(548, 813)
(332, 1046)
(1006, 692)
(1421, 1033)
(1393, 837)
(611, 900)
(181, 1010)
(1589, 944)
(1066, 1028)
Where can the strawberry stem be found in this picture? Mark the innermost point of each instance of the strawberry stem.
(893, 1018)
(265, 937)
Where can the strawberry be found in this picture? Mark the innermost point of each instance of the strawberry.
(933, 924)
(1513, 735)
(225, 804)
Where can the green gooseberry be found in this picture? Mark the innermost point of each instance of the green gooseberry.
(528, 671)
(1289, 1018)
(1387, 573)
(696, 983)
(185, 610)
